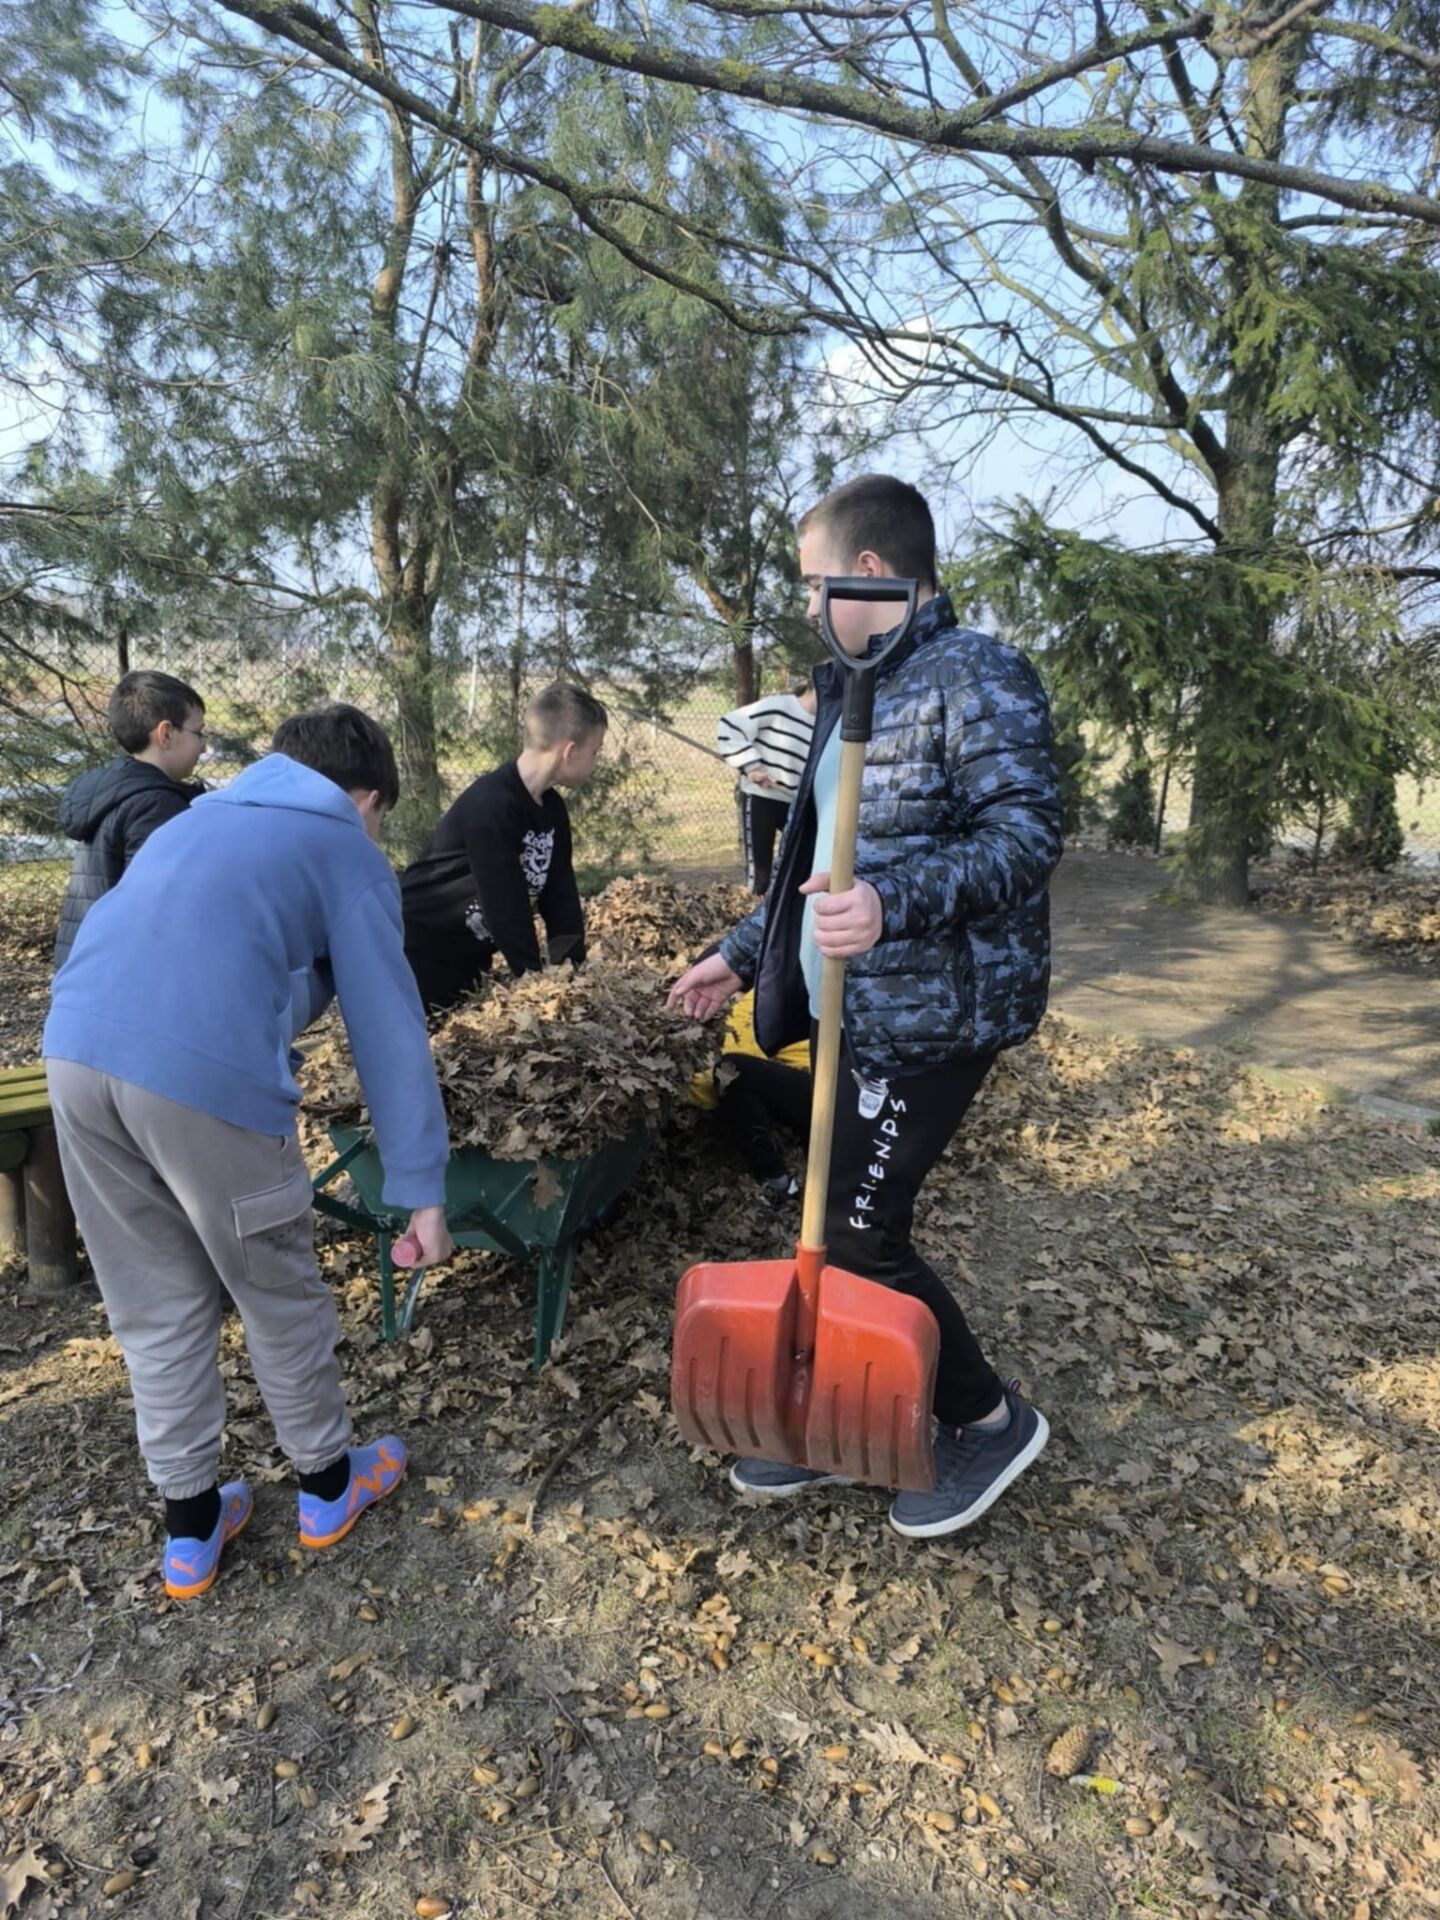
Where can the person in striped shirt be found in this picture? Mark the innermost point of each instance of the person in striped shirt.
(767, 743)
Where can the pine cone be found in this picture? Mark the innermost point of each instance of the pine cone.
(1069, 1753)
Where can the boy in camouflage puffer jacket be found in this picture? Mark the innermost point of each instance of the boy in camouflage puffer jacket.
(946, 938)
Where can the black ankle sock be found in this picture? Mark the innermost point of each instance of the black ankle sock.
(193, 1519)
(330, 1482)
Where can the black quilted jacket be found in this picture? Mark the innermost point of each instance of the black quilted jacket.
(111, 811)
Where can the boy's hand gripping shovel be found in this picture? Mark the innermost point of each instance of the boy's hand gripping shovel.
(794, 1360)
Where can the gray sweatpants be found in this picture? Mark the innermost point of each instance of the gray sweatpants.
(170, 1202)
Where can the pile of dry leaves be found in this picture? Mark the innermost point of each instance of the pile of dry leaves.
(644, 918)
(1396, 912)
(558, 1063)
(552, 1065)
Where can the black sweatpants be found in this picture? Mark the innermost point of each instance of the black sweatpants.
(885, 1144)
(762, 820)
(447, 966)
(763, 1099)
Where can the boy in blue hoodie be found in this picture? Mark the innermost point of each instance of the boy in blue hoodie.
(175, 1103)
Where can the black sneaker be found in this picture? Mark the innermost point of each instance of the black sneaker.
(972, 1469)
(778, 1479)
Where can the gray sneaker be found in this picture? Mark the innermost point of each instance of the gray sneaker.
(778, 1479)
(782, 1189)
(972, 1470)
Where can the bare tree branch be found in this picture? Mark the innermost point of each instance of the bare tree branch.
(584, 201)
(954, 133)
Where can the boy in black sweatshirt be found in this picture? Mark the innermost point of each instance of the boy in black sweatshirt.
(504, 844)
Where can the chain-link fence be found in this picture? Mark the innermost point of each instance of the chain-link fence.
(663, 794)
(667, 797)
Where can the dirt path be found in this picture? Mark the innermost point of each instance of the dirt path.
(1272, 989)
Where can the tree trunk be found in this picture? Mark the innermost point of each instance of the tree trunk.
(1164, 800)
(519, 651)
(1229, 809)
(739, 616)
(747, 684)
(1228, 812)
(1217, 848)
(416, 738)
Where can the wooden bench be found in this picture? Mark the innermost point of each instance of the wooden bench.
(34, 1208)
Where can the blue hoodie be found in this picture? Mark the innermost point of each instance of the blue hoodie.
(187, 979)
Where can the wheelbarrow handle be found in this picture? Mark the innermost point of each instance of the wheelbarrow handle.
(855, 723)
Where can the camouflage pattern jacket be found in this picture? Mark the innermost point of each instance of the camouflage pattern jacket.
(959, 834)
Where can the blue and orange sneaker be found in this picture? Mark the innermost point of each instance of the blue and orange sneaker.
(191, 1565)
(374, 1471)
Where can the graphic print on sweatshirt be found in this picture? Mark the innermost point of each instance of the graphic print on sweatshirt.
(537, 850)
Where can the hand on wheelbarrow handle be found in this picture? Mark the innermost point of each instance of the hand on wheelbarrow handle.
(426, 1240)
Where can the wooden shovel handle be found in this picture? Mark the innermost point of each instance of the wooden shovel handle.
(854, 723)
(832, 994)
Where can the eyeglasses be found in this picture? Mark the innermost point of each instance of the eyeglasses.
(199, 732)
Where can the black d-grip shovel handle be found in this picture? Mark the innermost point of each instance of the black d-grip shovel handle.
(858, 712)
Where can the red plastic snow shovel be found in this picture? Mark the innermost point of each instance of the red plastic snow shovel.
(795, 1360)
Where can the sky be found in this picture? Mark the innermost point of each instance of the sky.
(969, 467)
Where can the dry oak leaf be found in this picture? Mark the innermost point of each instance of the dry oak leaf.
(470, 1690)
(351, 1664)
(356, 1836)
(16, 1875)
(895, 1743)
(1172, 1656)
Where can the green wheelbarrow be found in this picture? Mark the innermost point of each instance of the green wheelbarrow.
(491, 1204)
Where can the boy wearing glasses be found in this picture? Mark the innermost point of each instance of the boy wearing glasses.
(112, 811)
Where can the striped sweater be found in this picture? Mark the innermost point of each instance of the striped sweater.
(771, 735)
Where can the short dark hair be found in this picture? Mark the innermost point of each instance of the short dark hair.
(344, 744)
(885, 516)
(142, 700)
(563, 712)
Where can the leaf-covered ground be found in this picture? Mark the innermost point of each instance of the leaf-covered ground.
(650, 1698)
(1397, 914)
